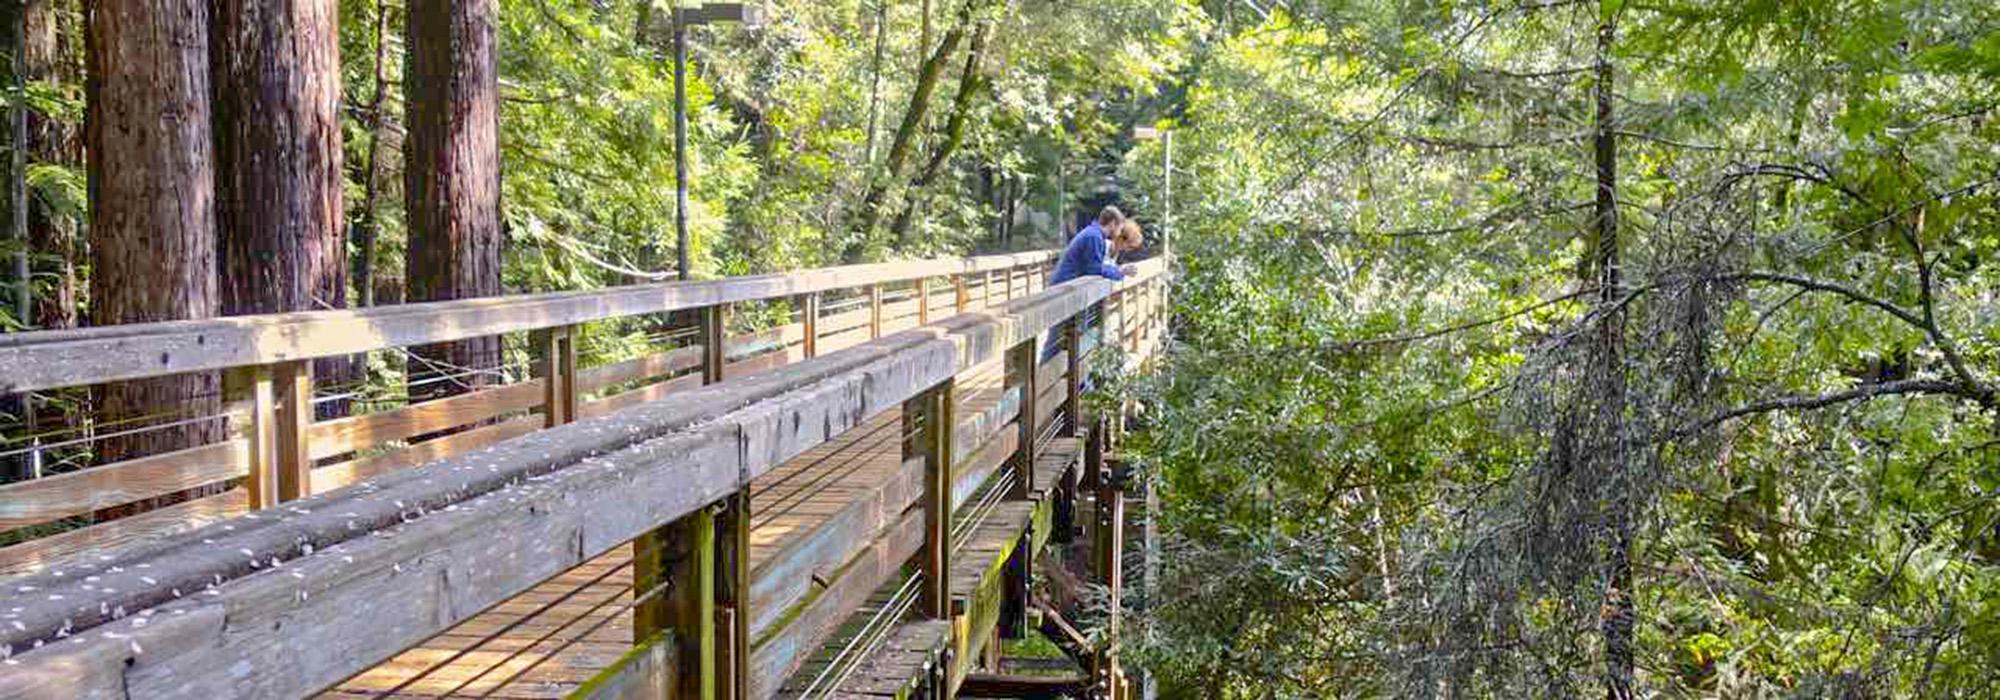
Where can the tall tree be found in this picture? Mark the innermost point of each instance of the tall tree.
(278, 160)
(452, 175)
(52, 234)
(152, 170)
(368, 232)
(969, 84)
(1609, 390)
(900, 146)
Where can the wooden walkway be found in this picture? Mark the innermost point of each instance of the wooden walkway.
(550, 640)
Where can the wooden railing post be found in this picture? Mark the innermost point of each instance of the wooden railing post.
(961, 295)
(809, 317)
(293, 383)
(281, 413)
(927, 421)
(1021, 372)
(1072, 340)
(557, 370)
(874, 311)
(923, 301)
(715, 351)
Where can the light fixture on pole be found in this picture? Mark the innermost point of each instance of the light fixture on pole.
(686, 15)
(1166, 138)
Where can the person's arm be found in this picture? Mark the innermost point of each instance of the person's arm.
(1109, 269)
(1100, 266)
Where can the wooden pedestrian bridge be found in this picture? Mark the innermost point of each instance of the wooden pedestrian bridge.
(865, 481)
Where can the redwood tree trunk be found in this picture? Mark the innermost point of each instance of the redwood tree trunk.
(278, 161)
(52, 239)
(152, 236)
(452, 176)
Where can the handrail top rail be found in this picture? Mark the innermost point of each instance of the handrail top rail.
(49, 359)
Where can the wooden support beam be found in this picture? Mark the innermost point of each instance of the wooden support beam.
(1072, 340)
(292, 384)
(281, 412)
(1015, 590)
(557, 372)
(961, 294)
(874, 311)
(923, 300)
(263, 479)
(679, 560)
(994, 685)
(927, 419)
(1020, 374)
(809, 319)
(734, 591)
(714, 347)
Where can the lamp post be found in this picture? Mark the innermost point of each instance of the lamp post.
(686, 15)
(1166, 139)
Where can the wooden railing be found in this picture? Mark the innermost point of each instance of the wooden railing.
(270, 458)
(287, 602)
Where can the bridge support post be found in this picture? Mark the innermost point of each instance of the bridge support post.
(923, 300)
(927, 420)
(874, 311)
(1021, 372)
(733, 589)
(281, 414)
(809, 318)
(715, 352)
(679, 561)
(961, 294)
(557, 370)
(1072, 340)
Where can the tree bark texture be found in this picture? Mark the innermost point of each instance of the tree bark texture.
(152, 185)
(276, 70)
(452, 176)
(52, 236)
(1619, 616)
(969, 83)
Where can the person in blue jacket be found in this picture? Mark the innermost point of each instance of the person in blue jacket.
(1094, 251)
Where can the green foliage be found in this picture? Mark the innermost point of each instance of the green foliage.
(1385, 240)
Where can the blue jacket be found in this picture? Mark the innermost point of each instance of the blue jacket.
(1088, 254)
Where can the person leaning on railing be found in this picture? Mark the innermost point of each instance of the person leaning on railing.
(1094, 251)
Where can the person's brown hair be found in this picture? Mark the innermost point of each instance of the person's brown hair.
(1108, 216)
(1131, 230)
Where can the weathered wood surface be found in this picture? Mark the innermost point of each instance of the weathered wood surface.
(776, 658)
(785, 576)
(85, 491)
(47, 359)
(895, 669)
(639, 675)
(373, 568)
(110, 485)
(976, 575)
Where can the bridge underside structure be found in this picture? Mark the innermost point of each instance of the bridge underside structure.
(856, 499)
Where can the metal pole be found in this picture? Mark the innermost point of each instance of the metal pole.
(680, 142)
